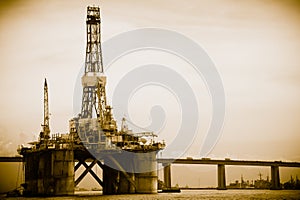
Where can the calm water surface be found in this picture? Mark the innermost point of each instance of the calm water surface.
(189, 194)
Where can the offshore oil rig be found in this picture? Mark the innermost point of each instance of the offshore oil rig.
(127, 159)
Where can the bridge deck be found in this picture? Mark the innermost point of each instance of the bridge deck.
(229, 162)
(199, 161)
(11, 159)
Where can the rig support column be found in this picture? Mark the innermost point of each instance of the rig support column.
(167, 175)
(221, 177)
(275, 182)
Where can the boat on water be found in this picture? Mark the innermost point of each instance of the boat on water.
(170, 190)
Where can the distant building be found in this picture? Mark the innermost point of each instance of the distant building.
(257, 184)
(261, 183)
(292, 184)
(242, 184)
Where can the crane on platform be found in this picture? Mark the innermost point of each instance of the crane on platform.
(45, 133)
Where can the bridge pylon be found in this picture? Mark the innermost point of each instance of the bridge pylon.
(275, 178)
(221, 177)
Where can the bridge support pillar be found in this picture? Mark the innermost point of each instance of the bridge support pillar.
(275, 182)
(221, 177)
(167, 175)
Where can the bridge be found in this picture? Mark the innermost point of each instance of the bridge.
(167, 162)
(275, 177)
(11, 159)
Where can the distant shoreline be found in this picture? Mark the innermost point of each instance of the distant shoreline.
(184, 188)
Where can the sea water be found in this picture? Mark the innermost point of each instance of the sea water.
(186, 194)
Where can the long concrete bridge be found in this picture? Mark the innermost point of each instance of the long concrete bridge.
(275, 177)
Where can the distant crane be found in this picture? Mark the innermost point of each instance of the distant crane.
(260, 175)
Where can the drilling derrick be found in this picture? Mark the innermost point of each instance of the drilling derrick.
(87, 126)
(93, 63)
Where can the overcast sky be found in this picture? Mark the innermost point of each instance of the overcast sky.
(255, 46)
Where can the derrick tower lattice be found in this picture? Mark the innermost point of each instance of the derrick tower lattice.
(93, 63)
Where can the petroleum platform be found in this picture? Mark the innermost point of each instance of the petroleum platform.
(128, 159)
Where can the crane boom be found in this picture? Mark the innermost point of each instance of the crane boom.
(45, 133)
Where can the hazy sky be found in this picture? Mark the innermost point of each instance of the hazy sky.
(255, 46)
